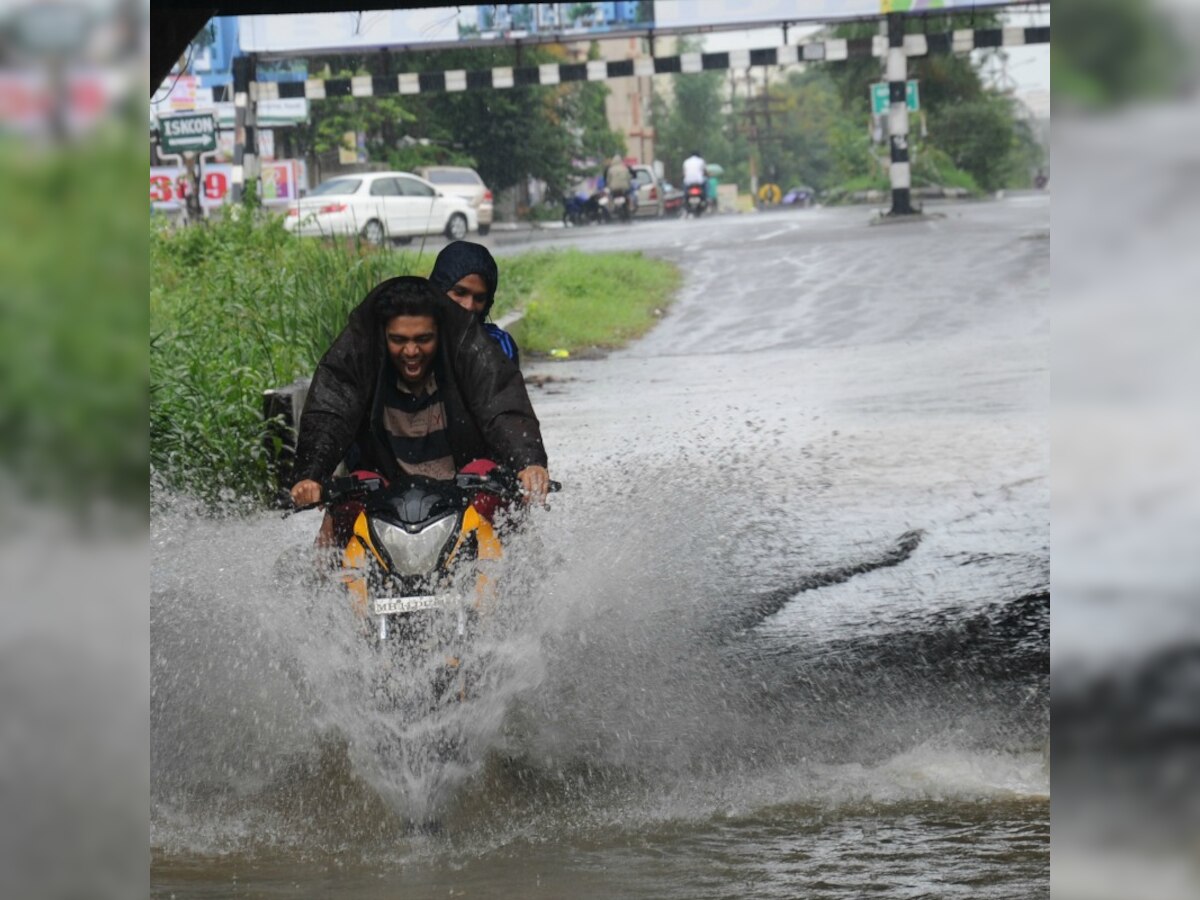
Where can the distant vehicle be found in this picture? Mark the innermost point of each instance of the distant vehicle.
(459, 181)
(619, 206)
(672, 199)
(652, 196)
(583, 206)
(695, 200)
(381, 207)
(801, 195)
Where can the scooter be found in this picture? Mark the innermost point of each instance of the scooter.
(579, 209)
(620, 206)
(694, 200)
(411, 566)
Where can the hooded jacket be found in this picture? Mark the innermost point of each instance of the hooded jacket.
(459, 259)
(488, 413)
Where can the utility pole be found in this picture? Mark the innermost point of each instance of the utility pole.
(245, 143)
(757, 126)
(896, 74)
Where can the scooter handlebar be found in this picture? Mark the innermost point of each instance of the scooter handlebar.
(500, 482)
(333, 490)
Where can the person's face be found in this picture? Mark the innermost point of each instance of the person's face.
(469, 292)
(411, 344)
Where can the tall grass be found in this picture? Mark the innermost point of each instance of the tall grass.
(72, 321)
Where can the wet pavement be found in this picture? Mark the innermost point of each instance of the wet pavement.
(788, 634)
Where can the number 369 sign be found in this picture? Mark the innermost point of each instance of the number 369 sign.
(169, 186)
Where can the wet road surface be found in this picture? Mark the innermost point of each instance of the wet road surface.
(785, 633)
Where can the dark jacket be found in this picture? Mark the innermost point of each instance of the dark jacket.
(488, 413)
(461, 258)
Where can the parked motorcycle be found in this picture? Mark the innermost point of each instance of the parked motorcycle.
(582, 209)
(695, 202)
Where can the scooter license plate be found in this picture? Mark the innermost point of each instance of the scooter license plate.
(387, 606)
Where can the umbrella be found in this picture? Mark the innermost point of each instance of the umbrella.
(715, 169)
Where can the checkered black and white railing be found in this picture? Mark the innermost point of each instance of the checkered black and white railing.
(837, 50)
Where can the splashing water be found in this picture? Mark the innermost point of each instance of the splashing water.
(627, 676)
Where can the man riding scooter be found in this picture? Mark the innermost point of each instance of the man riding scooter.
(695, 184)
(420, 389)
(618, 178)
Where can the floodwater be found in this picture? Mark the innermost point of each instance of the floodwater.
(785, 632)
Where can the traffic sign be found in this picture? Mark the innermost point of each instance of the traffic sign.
(191, 133)
(881, 98)
(770, 193)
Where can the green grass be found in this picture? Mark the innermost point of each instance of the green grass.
(238, 305)
(576, 301)
(73, 320)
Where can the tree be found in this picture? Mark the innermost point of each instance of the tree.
(510, 134)
(974, 126)
(595, 139)
(1108, 52)
(380, 119)
(693, 122)
(808, 126)
(506, 135)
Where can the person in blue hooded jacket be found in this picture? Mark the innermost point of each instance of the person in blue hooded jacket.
(467, 274)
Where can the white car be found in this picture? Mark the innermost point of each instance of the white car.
(466, 183)
(382, 207)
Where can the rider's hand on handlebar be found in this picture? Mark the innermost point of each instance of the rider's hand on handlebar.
(535, 482)
(306, 493)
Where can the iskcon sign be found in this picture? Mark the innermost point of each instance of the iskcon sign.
(195, 133)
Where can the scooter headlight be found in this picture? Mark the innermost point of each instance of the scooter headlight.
(416, 553)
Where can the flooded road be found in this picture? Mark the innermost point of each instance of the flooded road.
(785, 633)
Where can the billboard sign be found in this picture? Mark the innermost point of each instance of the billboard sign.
(281, 182)
(481, 24)
(680, 15)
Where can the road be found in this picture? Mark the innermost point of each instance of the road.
(794, 633)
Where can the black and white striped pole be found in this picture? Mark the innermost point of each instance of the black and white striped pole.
(897, 78)
(245, 156)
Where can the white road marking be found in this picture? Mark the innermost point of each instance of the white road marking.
(774, 234)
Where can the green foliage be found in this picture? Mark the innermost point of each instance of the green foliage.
(693, 121)
(974, 134)
(820, 123)
(850, 151)
(1109, 52)
(72, 358)
(576, 301)
(540, 129)
(843, 192)
(584, 106)
(379, 119)
(978, 136)
(413, 156)
(933, 167)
